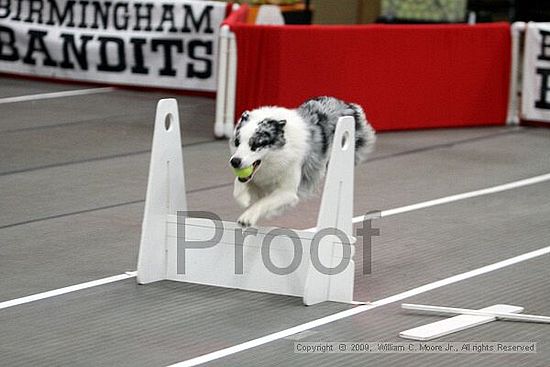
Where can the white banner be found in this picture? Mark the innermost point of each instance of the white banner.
(169, 44)
(535, 103)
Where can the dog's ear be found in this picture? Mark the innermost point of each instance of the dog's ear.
(244, 118)
(281, 123)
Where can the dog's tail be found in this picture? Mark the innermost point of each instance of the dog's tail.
(365, 136)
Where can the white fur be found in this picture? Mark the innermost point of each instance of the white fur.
(275, 183)
(295, 148)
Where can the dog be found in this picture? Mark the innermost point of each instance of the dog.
(289, 150)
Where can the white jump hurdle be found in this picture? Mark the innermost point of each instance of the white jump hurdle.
(216, 265)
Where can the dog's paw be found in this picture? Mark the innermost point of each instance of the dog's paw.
(243, 223)
(248, 219)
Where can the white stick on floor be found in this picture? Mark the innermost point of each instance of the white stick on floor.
(63, 94)
(466, 311)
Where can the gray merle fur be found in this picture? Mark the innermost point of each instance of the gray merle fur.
(269, 133)
(321, 114)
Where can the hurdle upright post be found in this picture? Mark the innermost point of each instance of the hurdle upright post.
(165, 192)
(335, 214)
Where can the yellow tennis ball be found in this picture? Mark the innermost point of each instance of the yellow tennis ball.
(243, 172)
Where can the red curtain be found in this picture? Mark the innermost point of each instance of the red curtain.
(405, 76)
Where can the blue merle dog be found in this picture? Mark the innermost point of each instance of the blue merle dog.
(288, 150)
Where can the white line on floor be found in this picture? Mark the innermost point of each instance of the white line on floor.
(385, 213)
(68, 93)
(357, 310)
(425, 288)
(457, 197)
(69, 289)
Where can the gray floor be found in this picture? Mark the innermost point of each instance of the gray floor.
(73, 173)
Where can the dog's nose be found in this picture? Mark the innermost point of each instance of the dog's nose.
(235, 162)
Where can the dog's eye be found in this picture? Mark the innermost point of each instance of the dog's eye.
(260, 141)
(236, 142)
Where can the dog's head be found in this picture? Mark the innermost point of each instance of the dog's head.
(254, 138)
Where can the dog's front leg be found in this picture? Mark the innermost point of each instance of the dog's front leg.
(241, 194)
(266, 205)
(282, 196)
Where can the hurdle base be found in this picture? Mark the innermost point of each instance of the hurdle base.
(455, 324)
